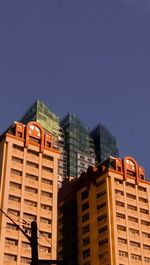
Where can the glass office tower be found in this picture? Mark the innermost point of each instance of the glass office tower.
(105, 143)
(39, 112)
(77, 139)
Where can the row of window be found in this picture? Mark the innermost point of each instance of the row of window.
(131, 196)
(133, 243)
(131, 207)
(30, 189)
(133, 256)
(33, 152)
(129, 184)
(132, 231)
(133, 219)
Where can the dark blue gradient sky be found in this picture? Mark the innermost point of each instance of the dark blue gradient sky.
(86, 56)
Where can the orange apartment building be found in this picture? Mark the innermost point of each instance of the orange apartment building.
(112, 215)
(28, 191)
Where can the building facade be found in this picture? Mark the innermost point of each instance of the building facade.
(48, 119)
(112, 215)
(105, 143)
(77, 139)
(28, 192)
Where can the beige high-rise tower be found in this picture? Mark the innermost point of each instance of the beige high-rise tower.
(112, 216)
(28, 191)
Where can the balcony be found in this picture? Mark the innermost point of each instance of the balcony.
(119, 197)
(11, 233)
(120, 209)
(133, 225)
(121, 221)
(30, 209)
(16, 178)
(47, 163)
(135, 250)
(47, 187)
(46, 213)
(130, 190)
(11, 249)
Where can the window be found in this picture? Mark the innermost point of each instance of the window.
(82, 157)
(118, 181)
(101, 206)
(46, 207)
(14, 198)
(16, 172)
(147, 260)
(119, 192)
(133, 219)
(45, 249)
(30, 203)
(122, 240)
(45, 234)
(121, 228)
(15, 185)
(32, 152)
(25, 260)
(103, 242)
(85, 217)
(86, 229)
(86, 253)
(100, 183)
(25, 245)
(123, 254)
(31, 164)
(17, 147)
(29, 216)
(131, 196)
(47, 169)
(14, 212)
(143, 200)
(104, 255)
(46, 194)
(47, 181)
(47, 157)
(86, 241)
(142, 189)
(11, 226)
(9, 257)
(10, 241)
(136, 257)
(130, 185)
(31, 177)
(85, 206)
(103, 229)
(135, 244)
(147, 235)
(84, 194)
(145, 223)
(45, 220)
(147, 247)
(134, 231)
(100, 194)
(102, 218)
(30, 189)
(132, 207)
(144, 211)
(121, 204)
(17, 159)
(120, 216)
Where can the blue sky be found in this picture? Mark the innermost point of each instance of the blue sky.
(90, 57)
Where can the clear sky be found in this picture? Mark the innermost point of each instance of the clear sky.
(91, 57)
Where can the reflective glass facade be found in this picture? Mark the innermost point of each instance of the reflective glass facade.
(76, 139)
(46, 117)
(105, 143)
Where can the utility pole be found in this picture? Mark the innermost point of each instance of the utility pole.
(33, 239)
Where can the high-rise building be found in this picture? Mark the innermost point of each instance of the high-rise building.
(42, 114)
(105, 143)
(77, 140)
(112, 215)
(28, 192)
